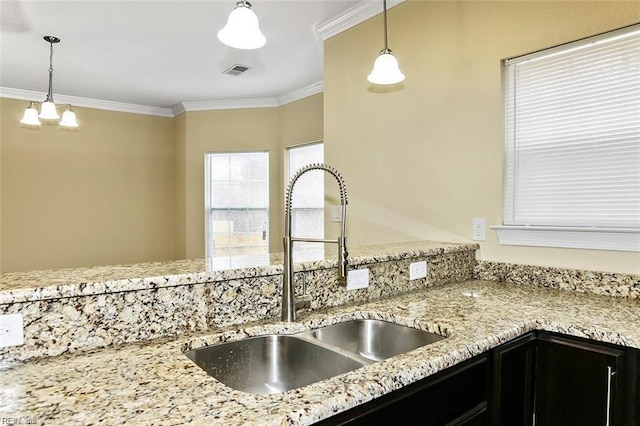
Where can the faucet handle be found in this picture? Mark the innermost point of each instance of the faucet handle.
(343, 262)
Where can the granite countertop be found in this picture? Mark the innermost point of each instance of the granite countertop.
(154, 383)
(16, 287)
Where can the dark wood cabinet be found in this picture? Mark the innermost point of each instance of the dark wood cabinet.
(541, 378)
(550, 379)
(454, 397)
(513, 375)
(581, 382)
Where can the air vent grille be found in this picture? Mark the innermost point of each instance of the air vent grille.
(237, 69)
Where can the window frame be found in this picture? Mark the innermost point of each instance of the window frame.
(304, 251)
(586, 237)
(209, 248)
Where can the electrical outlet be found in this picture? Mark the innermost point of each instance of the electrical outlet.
(11, 330)
(417, 270)
(358, 278)
(479, 229)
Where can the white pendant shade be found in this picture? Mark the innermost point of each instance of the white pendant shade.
(68, 119)
(48, 111)
(30, 116)
(242, 30)
(385, 69)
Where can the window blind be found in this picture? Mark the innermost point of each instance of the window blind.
(572, 116)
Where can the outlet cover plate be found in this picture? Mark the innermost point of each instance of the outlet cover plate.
(418, 270)
(479, 229)
(358, 278)
(11, 330)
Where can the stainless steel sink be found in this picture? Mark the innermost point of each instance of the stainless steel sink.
(374, 339)
(271, 363)
(278, 363)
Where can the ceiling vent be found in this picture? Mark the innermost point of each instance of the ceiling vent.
(236, 69)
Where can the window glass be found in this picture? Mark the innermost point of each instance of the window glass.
(237, 203)
(307, 206)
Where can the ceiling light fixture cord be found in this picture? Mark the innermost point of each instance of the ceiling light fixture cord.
(384, 5)
(51, 40)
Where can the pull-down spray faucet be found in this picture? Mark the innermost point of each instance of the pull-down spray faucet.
(288, 293)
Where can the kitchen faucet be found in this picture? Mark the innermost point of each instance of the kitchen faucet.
(288, 291)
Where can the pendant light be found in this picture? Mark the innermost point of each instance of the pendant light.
(385, 67)
(242, 30)
(48, 108)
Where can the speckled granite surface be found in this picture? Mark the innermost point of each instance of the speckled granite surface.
(125, 310)
(53, 284)
(603, 283)
(150, 384)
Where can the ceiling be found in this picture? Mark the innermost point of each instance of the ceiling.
(162, 53)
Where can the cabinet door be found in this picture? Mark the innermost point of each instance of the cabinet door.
(513, 382)
(456, 396)
(576, 382)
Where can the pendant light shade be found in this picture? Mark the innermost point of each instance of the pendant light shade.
(48, 108)
(385, 68)
(69, 118)
(48, 111)
(242, 30)
(30, 117)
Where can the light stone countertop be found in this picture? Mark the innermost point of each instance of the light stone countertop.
(154, 383)
(16, 287)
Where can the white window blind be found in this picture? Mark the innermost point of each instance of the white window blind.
(573, 134)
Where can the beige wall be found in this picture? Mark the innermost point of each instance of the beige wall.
(101, 194)
(180, 165)
(421, 162)
(126, 188)
(235, 130)
(238, 130)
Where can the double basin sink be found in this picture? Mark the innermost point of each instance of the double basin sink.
(277, 363)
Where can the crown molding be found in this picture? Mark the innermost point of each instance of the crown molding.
(296, 95)
(28, 95)
(352, 17)
(223, 104)
(226, 104)
(175, 110)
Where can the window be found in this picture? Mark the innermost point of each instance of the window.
(237, 203)
(307, 206)
(572, 159)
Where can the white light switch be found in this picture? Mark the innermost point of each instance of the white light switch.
(418, 270)
(358, 278)
(11, 330)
